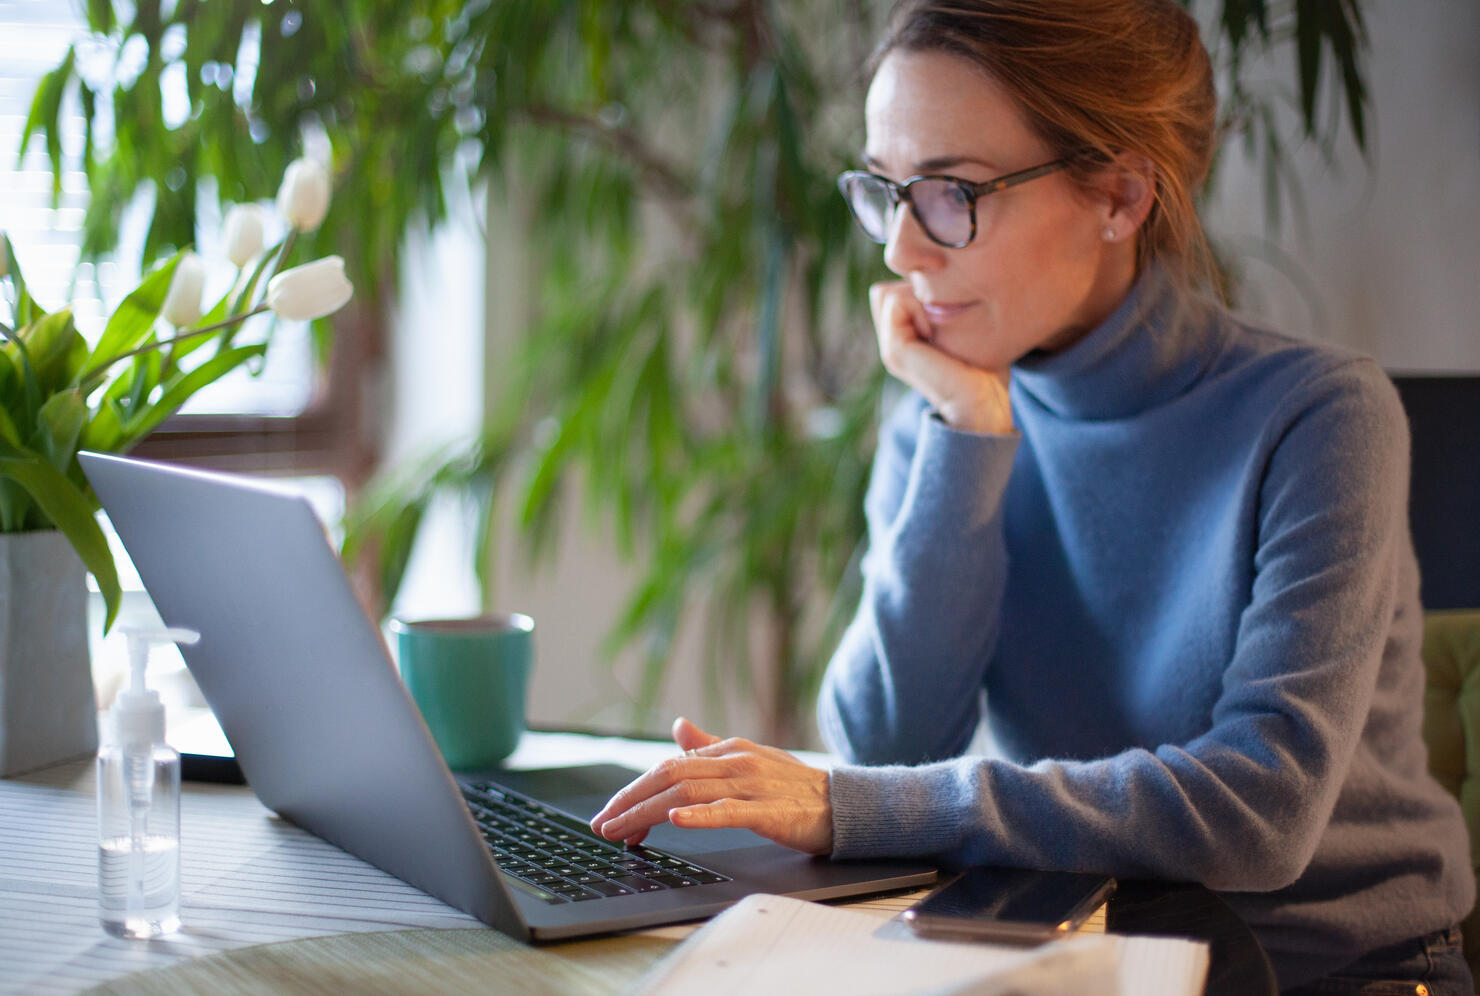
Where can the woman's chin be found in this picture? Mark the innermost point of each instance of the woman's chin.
(971, 348)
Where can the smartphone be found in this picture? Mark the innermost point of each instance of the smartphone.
(1010, 905)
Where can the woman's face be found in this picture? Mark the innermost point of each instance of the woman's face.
(1040, 272)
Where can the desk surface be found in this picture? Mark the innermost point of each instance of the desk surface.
(249, 878)
(268, 907)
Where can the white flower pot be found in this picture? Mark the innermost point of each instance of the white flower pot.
(47, 709)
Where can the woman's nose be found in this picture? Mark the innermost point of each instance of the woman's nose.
(908, 248)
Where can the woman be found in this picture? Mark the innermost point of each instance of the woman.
(1173, 549)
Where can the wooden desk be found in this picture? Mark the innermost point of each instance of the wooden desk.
(269, 908)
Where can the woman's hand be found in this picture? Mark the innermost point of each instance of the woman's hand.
(967, 397)
(725, 783)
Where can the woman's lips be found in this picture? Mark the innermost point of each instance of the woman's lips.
(938, 313)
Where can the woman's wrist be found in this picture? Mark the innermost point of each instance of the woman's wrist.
(987, 413)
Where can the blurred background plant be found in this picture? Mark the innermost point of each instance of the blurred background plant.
(698, 364)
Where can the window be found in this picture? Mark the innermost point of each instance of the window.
(292, 418)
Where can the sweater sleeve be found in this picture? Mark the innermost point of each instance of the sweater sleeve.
(904, 683)
(1242, 806)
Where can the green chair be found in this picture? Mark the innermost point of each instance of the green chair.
(1451, 653)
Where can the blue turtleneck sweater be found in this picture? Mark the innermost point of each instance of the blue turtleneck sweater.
(1189, 592)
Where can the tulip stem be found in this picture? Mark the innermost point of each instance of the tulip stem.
(163, 343)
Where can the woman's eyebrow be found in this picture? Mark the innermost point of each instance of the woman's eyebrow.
(935, 165)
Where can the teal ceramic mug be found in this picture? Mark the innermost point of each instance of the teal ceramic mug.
(469, 677)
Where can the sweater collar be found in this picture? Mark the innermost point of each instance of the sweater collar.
(1150, 350)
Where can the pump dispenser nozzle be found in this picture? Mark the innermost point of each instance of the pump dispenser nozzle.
(138, 715)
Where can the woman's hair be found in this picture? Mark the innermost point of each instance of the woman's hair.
(1097, 78)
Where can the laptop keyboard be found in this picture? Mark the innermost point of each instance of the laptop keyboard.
(559, 859)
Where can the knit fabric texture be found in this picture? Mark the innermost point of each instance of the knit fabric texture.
(1188, 591)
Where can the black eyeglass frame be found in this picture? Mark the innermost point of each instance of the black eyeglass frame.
(974, 191)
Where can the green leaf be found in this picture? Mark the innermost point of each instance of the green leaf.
(68, 508)
(9, 431)
(52, 344)
(181, 390)
(15, 506)
(104, 432)
(136, 314)
(147, 372)
(49, 350)
(45, 115)
(396, 546)
(1308, 49)
(100, 16)
(58, 425)
(30, 394)
(26, 308)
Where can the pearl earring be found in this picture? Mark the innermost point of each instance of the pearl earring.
(1109, 234)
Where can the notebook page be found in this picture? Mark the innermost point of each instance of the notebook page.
(779, 946)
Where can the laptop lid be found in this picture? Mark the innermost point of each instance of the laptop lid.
(303, 685)
(297, 675)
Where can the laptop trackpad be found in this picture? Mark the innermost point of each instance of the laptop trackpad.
(583, 789)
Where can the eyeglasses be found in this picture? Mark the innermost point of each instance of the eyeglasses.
(945, 206)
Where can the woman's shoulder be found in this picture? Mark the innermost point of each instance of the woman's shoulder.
(1310, 392)
(1296, 374)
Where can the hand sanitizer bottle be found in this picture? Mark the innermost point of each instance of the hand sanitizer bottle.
(138, 778)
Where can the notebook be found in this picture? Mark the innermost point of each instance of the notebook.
(328, 737)
(782, 947)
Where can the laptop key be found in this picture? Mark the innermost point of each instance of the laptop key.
(547, 893)
(636, 883)
(609, 888)
(673, 881)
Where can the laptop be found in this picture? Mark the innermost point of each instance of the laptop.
(328, 737)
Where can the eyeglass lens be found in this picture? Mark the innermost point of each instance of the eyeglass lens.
(941, 207)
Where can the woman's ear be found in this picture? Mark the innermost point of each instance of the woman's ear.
(1129, 189)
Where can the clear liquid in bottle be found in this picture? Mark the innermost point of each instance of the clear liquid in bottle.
(139, 885)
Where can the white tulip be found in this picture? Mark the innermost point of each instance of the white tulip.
(182, 301)
(243, 234)
(310, 291)
(303, 199)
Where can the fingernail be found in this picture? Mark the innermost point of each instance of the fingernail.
(680, 814)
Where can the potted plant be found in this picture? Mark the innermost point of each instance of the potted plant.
(60, 394)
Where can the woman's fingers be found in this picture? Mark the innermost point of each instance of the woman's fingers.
(690, 737)
(967, 397)
(636, 804)
(784, 799)
(900, 322)
(654, 809)
(793, 825)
